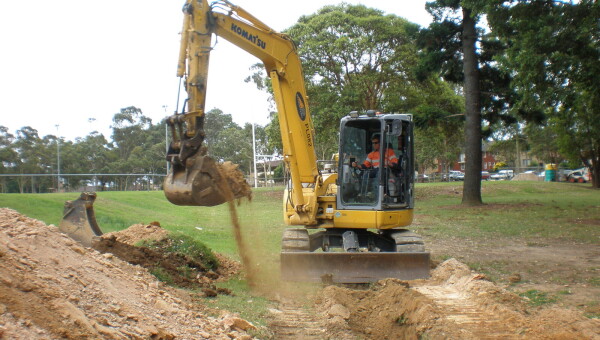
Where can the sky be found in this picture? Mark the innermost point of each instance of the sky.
(67, 66)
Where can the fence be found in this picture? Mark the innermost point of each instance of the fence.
(45, 183)
(40, 183)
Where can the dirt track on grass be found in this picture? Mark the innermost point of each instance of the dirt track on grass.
(51, 287)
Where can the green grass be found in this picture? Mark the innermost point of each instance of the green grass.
(526, 210)
(118, 210)
(179, 243)
(249, 306)
(492, 269)
(538, 298)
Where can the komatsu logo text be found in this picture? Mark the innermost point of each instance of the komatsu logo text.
(250, 37)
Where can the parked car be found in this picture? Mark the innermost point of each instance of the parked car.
(503, 175)
(454, 175)
(485, 176)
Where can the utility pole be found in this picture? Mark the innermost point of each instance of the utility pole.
(57, 159)
(254, 156)
(166, 137)
(91, 120)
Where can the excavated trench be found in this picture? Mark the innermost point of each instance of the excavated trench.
(453, 304)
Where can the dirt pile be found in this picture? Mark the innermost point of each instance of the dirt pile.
(453, 304)
(182, 271)
(527, 177)
(51, 287)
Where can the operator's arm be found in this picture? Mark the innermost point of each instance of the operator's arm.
(368, 163)
(391, 159)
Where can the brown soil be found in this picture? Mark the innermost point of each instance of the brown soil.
(126, 246)
(454, 304)
(51, 287)
(235, 180)
(567, 271)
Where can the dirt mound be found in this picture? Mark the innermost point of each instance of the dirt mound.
(138, 233)
(180, 270)
(51, 287)
(453, 304)
(527, 177)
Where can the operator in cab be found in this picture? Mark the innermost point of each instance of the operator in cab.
(372, 161)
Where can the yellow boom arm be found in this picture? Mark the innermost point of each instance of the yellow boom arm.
(282, 63)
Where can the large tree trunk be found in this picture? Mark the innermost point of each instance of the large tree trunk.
(472, 183)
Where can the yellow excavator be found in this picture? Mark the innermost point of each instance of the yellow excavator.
(349, 220)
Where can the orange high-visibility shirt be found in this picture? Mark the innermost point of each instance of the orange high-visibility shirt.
(373, 158)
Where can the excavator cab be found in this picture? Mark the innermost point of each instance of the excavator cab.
(376, 187)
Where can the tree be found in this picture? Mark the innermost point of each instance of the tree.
(30, 150)
(354, 58)
(227, 141)
(439, 125)
(130, 133)
(542, 142)
(8, 156)
(454, 49)
(554, 48)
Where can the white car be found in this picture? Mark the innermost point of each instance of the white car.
(503, 175)
(456, 175)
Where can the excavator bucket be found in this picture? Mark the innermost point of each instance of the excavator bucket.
(348, 267)
(203, 182)
(79, 220)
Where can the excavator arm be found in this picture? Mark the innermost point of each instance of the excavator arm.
(194, 179)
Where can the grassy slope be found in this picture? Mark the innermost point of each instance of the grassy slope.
(119, 210)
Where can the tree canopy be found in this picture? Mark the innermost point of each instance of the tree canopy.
(553, 51)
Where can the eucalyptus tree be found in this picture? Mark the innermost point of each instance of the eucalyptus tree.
(129, 131)
(543, 144)
(92, 157)
(8, 156)
(354, 58)
(30, 151)
(227, 141)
